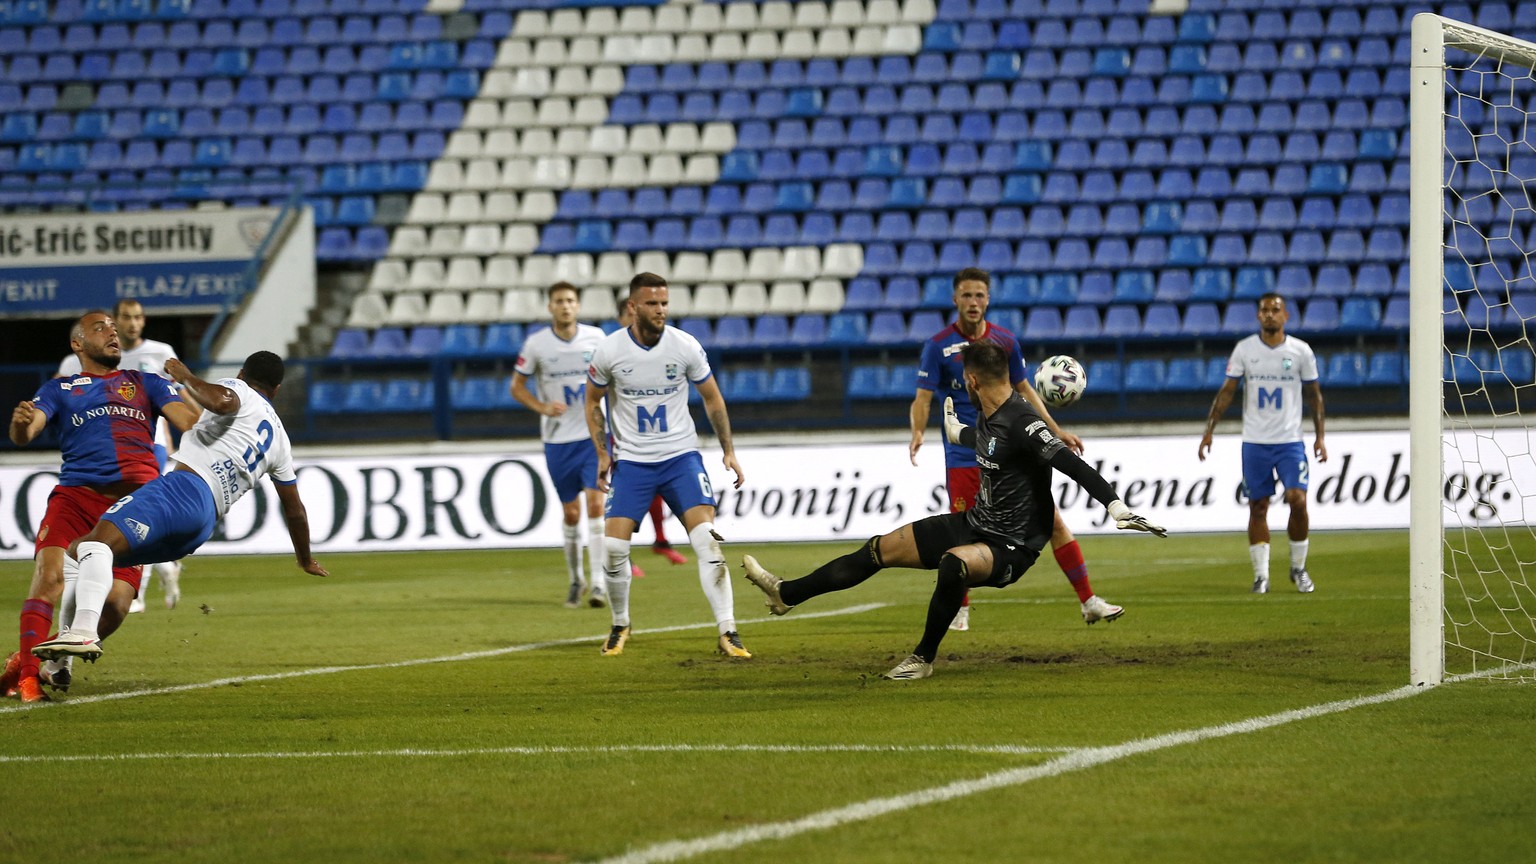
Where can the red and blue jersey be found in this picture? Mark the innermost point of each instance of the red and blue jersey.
(106, 424)
(941, 371)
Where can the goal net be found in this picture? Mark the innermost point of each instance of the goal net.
(1472, 317)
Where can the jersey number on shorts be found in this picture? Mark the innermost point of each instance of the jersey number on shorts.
(120, 502)
(656, 419)
(705, 487)
(254, 455)
(1302, 470)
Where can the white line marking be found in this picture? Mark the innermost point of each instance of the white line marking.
(400, 664)
(987, 749)
(1077, 760)
(1235, 599)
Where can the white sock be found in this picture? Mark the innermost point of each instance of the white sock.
(714, 575)
(596, 557)
(171, 569)
(92, 588)
(66, 612)
(616, 575)
(1298, 554)
(145, 577)
(572, 552)
(1258, 553)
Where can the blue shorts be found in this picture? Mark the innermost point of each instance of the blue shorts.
(681, 481)
(166, 519)
(572, 467)
(1261, 462)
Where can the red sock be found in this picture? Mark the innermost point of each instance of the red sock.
(1070, 558)
(658, 519)
(36, 618)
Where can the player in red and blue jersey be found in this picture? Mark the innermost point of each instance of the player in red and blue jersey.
(105, 419)
(940, 370)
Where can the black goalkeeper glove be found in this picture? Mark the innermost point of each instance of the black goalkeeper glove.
(1125, 520)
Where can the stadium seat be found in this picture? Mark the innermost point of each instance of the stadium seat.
(1144, 376)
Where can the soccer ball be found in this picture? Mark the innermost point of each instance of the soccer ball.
(1060, 380)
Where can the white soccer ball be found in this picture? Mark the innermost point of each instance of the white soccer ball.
(1060, 380)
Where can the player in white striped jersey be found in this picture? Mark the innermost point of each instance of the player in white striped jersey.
(238, 439)
(145, 355)
(557, 358)
(645, 372)
(1281, 372)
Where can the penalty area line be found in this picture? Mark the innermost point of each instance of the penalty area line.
(1072, 761)
(402, 664)
(416, 752)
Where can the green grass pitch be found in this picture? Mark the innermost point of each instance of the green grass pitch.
(534, 749)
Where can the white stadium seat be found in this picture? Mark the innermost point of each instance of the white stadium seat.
(445, 240)
(566, 22)
(645, 138)
(843, 259)
(503, 272)
(501, 206)
(388, 274)
(446, 175)
(547, 52)
(671, 18)
(601, 21)
(519, 239)
(918, 11)
(531, 23)
(727, 48)
(407, 309)
(445, 307)
(666, 169)
(590, 111)
(482, 174)
(718, 138)
(597, 304)
(636, 19)
(834, 42)
(614, 268)
(689, 268)
(464, 274)
(824, 296)
(427, 274)
(739, 17)
(659, 263)
(538, 206)
(786, 298)
(463, 144)
(591, 173)
(517, 172)
(846, 13)
(702, 169)
(538, 271)
(537, 142)
(728, 265)
(523, 304)
(514, 53)
(708, 18)
(679, 301)
(482, 307)
(462, 207)
(573, 267)
(408, 242)
(749, 299)
(801, 262)
(710, 300)
(499, 144)
(369, 309)
(482, 238)
(765, 265)
(811, 14)
(426, 208)
(799, 44)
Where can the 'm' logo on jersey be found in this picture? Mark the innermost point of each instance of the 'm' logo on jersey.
(671, 371)
(127, 390)
(139, 529)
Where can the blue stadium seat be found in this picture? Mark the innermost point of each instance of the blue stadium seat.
(868, 382)
(886, 327)
(1144, 375)
(460, 340)
(502, 340)
(1201, 319)
(732, 333)
(808, 330)
(350, 342)
(1043, 323)
(845, 328)
(1184, 374)
(1346, 369)
(790, 385)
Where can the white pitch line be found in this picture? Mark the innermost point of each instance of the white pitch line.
(401, 664)
(1076, 760)
(413, 752)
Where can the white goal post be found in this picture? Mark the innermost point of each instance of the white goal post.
(1463, 421)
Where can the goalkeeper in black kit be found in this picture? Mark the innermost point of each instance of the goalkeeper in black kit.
(991, 544)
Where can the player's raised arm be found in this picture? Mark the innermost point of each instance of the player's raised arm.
(917, 418)
(27, 423)
(213, 397)
(1218, 407)
(720, 421)
(297, 520)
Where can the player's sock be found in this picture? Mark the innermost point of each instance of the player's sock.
(36, 618)
(947, 594)
(714, 575)
(67, 598)
(659, 521)
(617, 579)
(1258, 553)
(1299, 554)
(596, 558)
(1070, 559)
(572, 536)
(92, 588)
(838, 574)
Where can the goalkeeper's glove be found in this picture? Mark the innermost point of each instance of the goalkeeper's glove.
(952, 425)
(1125, 520)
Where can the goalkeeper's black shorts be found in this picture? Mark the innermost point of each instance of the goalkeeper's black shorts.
(936, 535)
